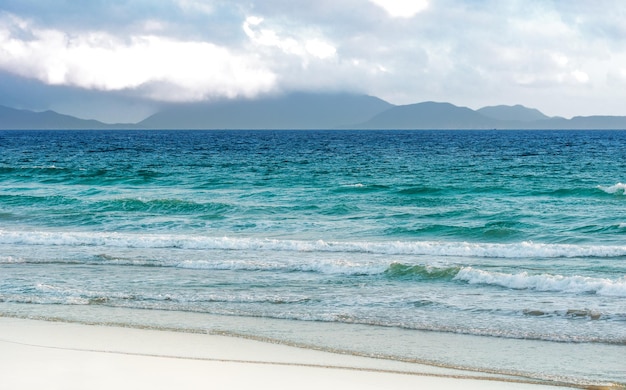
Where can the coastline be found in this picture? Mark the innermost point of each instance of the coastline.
(61, 355)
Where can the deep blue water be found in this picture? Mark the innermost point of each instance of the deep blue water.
(506, 235)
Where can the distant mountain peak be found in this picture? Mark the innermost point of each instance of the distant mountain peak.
(298, 110)
(428, 115)
(18, 119)
(516, 113)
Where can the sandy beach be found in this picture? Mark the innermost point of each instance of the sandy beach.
(55, 355)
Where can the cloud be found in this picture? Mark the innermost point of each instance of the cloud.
(268, 37)
(402, 8)
(580, 76)
(617, 76)
(293, 43)
(320, 49)
(163, 68)
(196, 6)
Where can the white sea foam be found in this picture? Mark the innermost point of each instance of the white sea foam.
(10, 260)
(430, 248)
(544, 282)
(619, 188)
(330, 267)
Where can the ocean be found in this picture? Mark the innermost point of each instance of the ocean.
(495, 251)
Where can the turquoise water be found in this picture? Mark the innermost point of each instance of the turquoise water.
(489, 241)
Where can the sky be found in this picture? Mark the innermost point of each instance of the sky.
(121, 60)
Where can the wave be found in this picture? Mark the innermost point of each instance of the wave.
(360, 187)
(165, 205)
(421, 191)
(321, 266)
(421, 271)
(490, 230)
(521, 281)
(545, 282)
(524, 249)
(160, 206)
(617, 189)
(47, 200)
(566, 284)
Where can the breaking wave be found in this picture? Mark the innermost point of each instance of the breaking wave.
(618, 189)
(524, 249)
(545, 282)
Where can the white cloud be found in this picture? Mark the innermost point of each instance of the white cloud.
(294, 43)
(167, 69)
(402, 8)
(268, 37)
(153, 26)
(560, 59)
(580, 76)
(320, 49)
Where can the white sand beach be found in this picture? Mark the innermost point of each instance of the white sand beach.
(55, 355)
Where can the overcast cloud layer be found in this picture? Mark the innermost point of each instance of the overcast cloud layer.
(119, 59)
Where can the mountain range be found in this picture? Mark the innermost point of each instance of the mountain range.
(14, 119)
(319, 111)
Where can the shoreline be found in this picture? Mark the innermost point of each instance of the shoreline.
(67, 355)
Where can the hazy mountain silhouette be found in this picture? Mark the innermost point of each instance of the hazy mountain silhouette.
(293, 111)
(14, 119)
(319, 111)
(594, 122)
(429, 115)
(512, 113)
